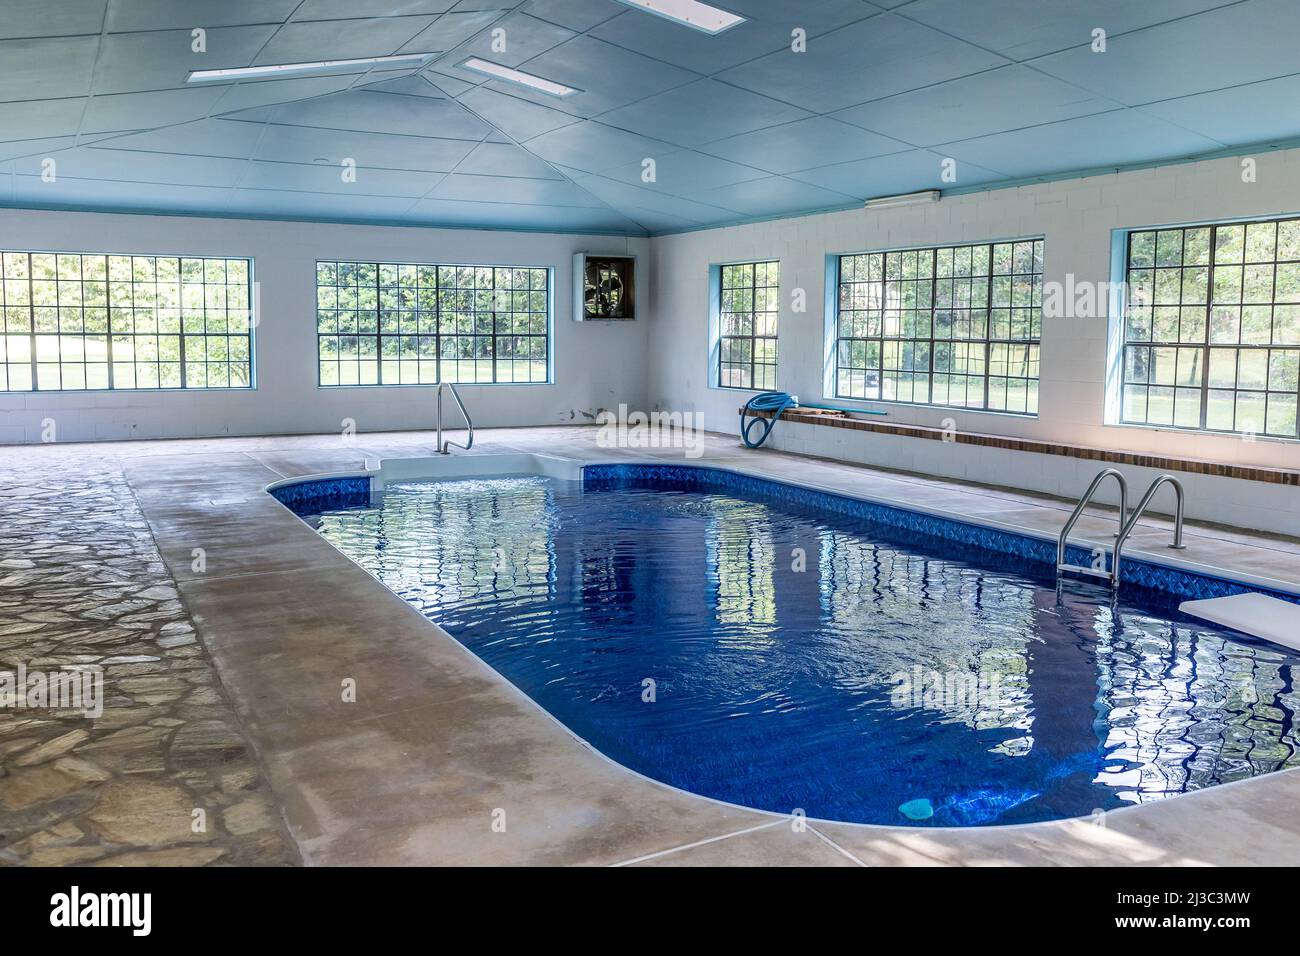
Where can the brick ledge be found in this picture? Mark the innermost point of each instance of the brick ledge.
(1195, 466)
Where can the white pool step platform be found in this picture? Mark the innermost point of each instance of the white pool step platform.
(1255, 614)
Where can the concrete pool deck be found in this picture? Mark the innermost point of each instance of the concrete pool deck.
(437, 748)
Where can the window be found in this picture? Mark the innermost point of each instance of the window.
(955, 325)
(748, 310)
(381, 323)
(1212, 327)
(101, 321)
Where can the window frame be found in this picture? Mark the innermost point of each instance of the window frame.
(832, 337)
(549, 336)
(1120, 344)
(111, 387)
(718, 337)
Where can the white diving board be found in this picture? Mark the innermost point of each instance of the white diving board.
(1255, 614)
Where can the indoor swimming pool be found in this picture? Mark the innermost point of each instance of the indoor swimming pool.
(791, 650)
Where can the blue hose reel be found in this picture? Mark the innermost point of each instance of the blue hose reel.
(776, 403)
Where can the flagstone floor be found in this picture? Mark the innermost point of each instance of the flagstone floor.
(164, 775)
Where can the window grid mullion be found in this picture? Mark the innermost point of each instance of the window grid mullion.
(437, 324)
(108, 322)
(988, 334)
(753, 325)
(31, 319)
(1272, 330)
(493, 340)
(934, 315)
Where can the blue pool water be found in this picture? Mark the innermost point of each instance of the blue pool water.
(777, 656)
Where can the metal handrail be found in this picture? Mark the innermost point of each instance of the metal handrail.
(443, 448)
(1125, 531)
(1113, 575)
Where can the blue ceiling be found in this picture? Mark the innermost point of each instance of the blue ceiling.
(739, 126)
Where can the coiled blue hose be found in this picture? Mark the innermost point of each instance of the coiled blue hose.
(775, 402)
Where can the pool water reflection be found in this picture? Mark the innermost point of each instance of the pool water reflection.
(784, 659)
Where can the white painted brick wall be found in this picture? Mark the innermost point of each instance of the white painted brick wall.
(598, 365)
(1076, 217)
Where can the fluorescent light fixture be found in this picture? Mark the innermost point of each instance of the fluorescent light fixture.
(518, 76)
(701, 16)
(906, 199)
(283, 71)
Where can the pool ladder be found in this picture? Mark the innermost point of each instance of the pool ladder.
(1127, 523)
(444, 447)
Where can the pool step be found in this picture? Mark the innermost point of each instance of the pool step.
(1252, 613)
(1080, 569)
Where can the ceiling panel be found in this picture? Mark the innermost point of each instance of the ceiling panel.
(534, 192)
(45, 146)
(683, 172)
(621, 195)
(1242, 43)
(449, 212)
(41, 118)
(307, 205)
(131, 62)
(577, 15)
(88, 163)
(343, 9)
(482, 5)
(414, 85)
(450, 30)
(701, 112)
(46, 69)
(654, 221)
(446, 85)
(327, 179)
(897, 173)
(1107, 139)
(768, 30)
(773, 196)
(126, 16)
(366, 111)
(506, 159)
(1003, 99)
(1257, 113)
(267, 92)
(341, 39)
(524, 38)
(591, 147)
(298, 144)
(120, 111)
(867, 60)
(518, 119)
(82, 193)
(1021, 29)
(802, 145)
(211, 137)
(41, 18)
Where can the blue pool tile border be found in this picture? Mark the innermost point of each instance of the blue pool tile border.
(323, 494)
(1164, 583)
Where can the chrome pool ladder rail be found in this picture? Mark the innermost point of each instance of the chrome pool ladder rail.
(444, 447)
(1127, 522)
(1113, 574)
(1179, 496)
